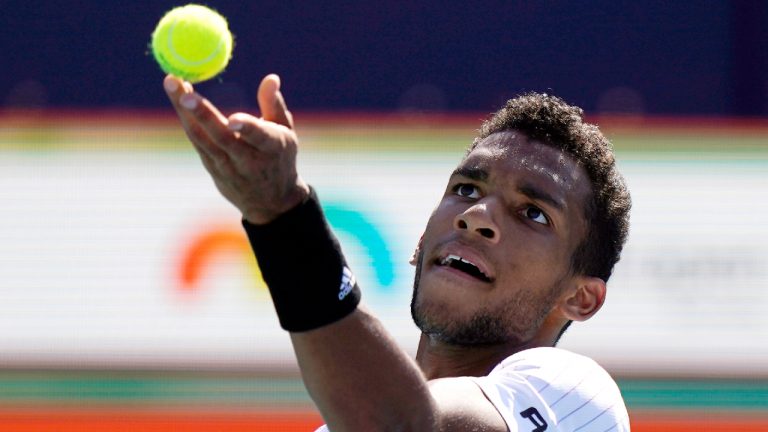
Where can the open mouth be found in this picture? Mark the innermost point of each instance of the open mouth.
(464, 265)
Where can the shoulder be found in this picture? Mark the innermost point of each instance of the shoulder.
(548, 364)
(555, 387)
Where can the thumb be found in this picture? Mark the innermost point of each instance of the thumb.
(271, 102)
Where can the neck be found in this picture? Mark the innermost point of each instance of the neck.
(437, 359)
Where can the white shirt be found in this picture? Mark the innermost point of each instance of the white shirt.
(553, 390)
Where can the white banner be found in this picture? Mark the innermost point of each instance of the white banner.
(132, 259)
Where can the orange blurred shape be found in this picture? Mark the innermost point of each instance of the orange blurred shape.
(699, 422)
(201, 250)
(117, 421)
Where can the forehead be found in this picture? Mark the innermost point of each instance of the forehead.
(512, 156)
(512, 150)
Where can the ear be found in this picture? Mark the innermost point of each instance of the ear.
(584, 301)
(415, 257)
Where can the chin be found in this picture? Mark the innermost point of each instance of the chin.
(460, 322)
(453, 324)
(480, 330)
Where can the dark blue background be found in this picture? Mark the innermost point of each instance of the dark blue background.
(655, 57)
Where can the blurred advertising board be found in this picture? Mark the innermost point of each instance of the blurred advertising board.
(117, 251)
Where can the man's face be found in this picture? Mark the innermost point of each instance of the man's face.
(496, 252)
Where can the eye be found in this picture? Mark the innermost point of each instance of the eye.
(535, 214)
(466, 190)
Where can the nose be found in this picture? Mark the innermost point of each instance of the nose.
(478, 219)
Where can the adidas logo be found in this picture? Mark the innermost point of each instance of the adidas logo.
(347, 283)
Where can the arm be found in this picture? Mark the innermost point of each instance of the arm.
(356, 374)
(361, 380)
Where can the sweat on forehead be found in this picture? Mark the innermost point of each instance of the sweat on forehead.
(516, 148)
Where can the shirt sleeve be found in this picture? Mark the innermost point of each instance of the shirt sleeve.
(550, 389)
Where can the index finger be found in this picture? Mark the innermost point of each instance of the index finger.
(205, 125)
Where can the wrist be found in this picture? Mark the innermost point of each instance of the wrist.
(302, 263)
(297, 195)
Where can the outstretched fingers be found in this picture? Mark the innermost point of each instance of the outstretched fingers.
(203, 123)
(251, 160)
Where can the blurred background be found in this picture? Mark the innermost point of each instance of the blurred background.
(128, 296)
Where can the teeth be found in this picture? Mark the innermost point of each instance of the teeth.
(447, 260)
(450, 258)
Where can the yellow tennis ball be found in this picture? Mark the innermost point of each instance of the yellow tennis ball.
(192, 42)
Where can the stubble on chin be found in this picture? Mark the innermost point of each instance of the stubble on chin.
(514, 321)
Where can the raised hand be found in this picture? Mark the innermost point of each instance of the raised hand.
(252, 160)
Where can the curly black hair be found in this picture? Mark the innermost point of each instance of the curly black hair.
(551, 120)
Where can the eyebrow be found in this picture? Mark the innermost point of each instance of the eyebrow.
(472, 173)
(531, 191)
(534, 193)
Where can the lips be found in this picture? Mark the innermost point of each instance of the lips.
(467, 264)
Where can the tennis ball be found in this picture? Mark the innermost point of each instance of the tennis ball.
(192, 42)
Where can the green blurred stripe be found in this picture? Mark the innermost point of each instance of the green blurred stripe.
(98, 387)
(170, 389)
(345, 137)
(695, 394)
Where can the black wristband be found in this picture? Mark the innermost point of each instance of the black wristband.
(302, 263)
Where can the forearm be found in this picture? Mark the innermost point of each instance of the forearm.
(360, 379)
(357, 375)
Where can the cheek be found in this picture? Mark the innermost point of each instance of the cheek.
(536, 259)
(440, 220)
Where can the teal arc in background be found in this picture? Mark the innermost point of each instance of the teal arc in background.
(351, 221)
